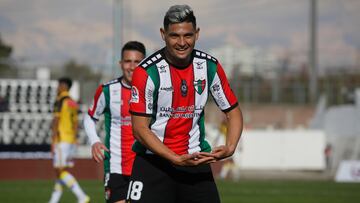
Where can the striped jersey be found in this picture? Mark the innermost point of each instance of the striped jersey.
(175, 98)
(112, 100)
(66, 110)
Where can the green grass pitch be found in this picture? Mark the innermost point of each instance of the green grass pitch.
(244, 191)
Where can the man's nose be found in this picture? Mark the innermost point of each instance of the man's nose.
(181, 41)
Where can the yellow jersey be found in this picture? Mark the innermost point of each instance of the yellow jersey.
(66, 110)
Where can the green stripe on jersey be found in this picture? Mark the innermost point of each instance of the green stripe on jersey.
(204, 145)
(107, 115)
(212, 68)
(154, 75)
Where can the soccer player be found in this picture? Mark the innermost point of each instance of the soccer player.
(112, 100)
(169, 94)
(64, 132)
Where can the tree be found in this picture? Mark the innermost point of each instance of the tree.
(5, 50)
(5, 60)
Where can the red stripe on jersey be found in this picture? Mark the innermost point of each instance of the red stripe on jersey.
(230, 96)
(127, 138)
(138, 87)
(178, 127)
(99, 90)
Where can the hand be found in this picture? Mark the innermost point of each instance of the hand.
(194, 159)
(221, 152)
(97, 151)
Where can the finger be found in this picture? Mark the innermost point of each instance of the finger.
(206, 154)
(99, 157)
(204, 160)
(202, 157)
(95, 158)
(219, 155)
(100, 154)
(105, 148)
(189, 156)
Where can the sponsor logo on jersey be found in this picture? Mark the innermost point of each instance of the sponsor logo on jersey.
(115, 92)
(216, 88)
(149, 93)
(183, 88)
(168, 89)
(199, 64)
(199, 86)
(134, 95)
(162, 68)
(218, 96)
(150, 106)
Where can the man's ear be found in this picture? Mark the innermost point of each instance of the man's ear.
(197, 33)
(162, 32)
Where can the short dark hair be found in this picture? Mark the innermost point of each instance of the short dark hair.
(133, 45)
(65, 80)
(179, 14)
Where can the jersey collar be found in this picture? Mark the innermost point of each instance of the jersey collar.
(121, 80)
(172, 65)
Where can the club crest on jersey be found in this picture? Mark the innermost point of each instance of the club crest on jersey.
(183, 88)
(199, 86)
(134, 95)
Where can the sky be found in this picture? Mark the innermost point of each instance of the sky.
(51, 32)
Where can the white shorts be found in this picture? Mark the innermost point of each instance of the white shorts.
(63, 155)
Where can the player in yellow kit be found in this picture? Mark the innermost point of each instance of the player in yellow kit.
(64, 132)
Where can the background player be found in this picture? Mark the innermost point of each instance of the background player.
(64, 132)
(112, 100)
(167, 107)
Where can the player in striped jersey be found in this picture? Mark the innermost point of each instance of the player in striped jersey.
(112, 100)
(167, 106)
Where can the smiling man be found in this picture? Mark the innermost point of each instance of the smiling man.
(169, 93)
(112, 100)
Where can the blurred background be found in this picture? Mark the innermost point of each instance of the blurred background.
(294, 66)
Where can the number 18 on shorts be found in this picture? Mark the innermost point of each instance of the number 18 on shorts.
(134, 191)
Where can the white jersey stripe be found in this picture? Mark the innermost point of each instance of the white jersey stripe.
(149, 95)
(100, 104)
(115, 140)
(165, 91)
(200, 74)
(218, 93)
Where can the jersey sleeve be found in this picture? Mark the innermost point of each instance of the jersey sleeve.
(98, 104)
(222, 92)
(142, 93)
